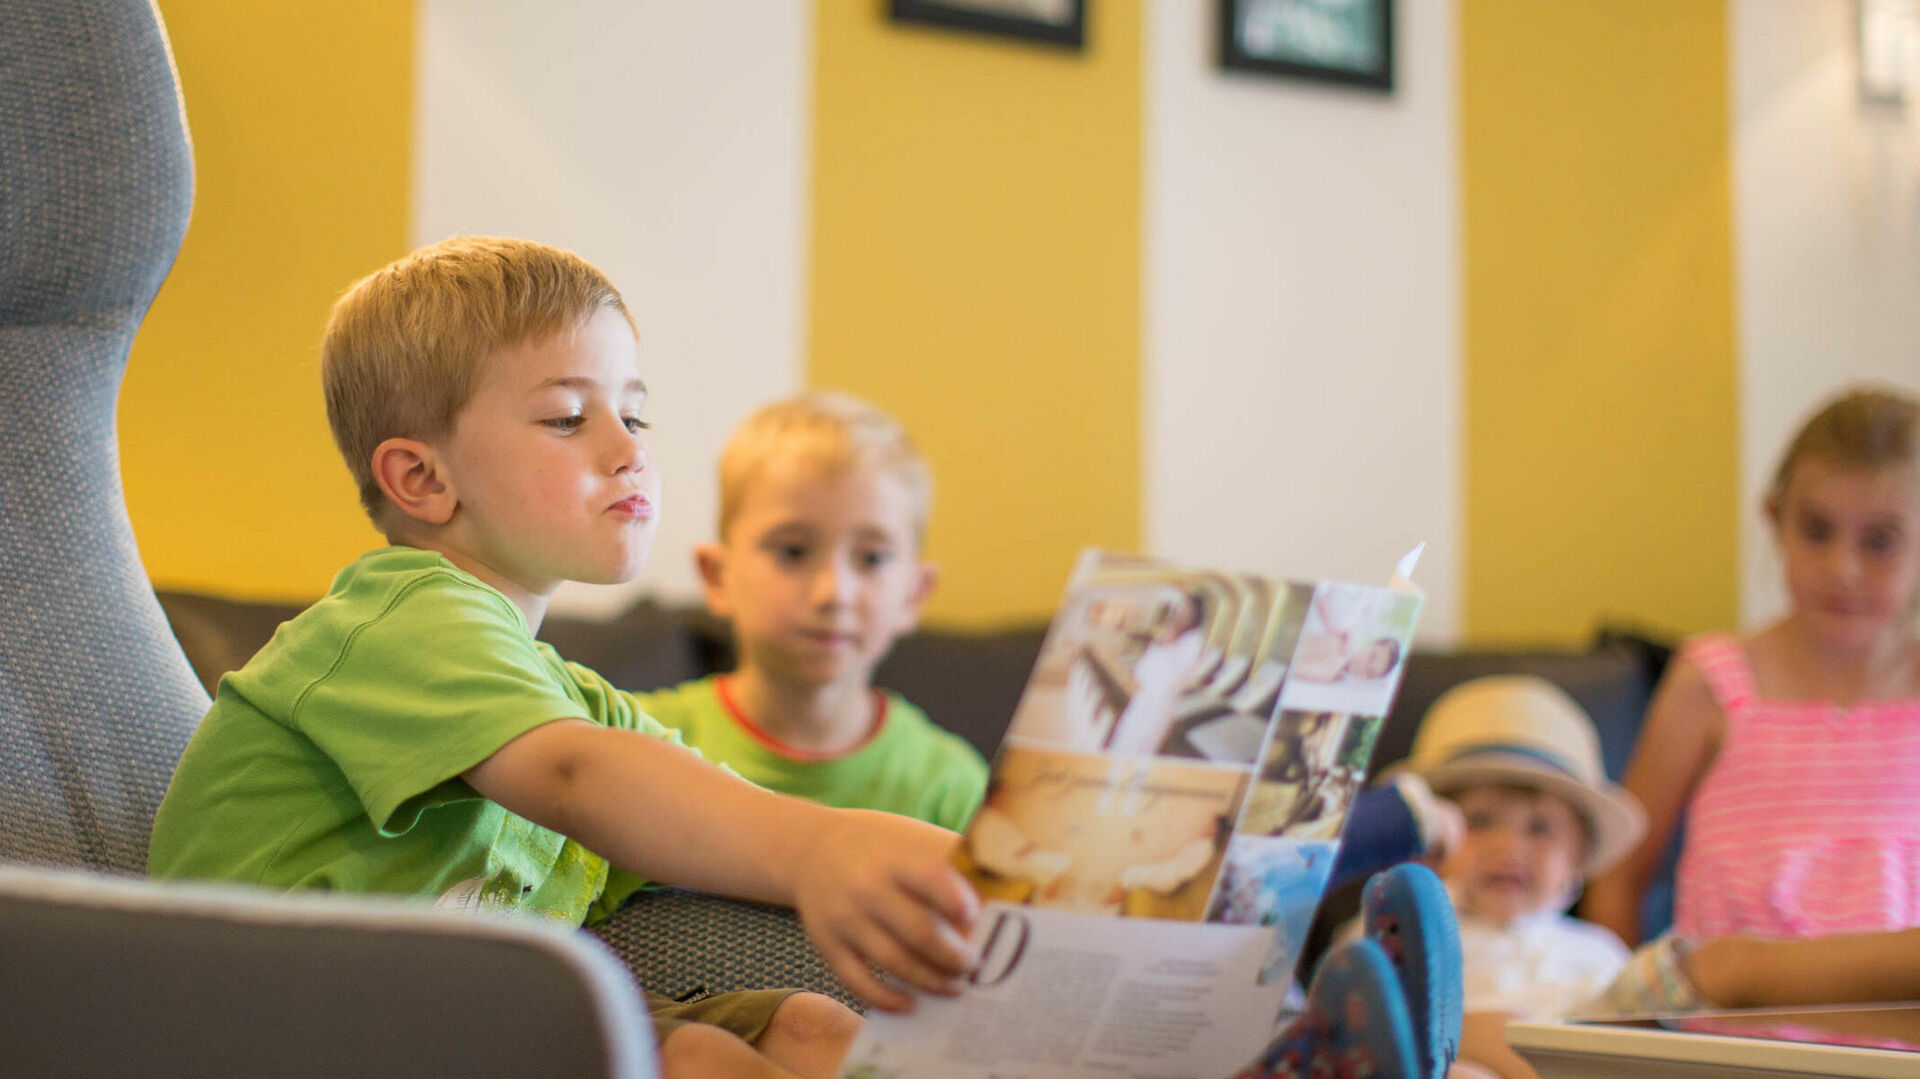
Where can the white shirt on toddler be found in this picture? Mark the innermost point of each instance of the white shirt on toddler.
(1542, 966)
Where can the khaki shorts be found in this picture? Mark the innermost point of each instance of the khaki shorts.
(744, 1014)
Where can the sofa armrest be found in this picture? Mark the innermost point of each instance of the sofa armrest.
(682, 942)
(107, 975)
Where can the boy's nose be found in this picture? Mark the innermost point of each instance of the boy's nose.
(831, 583)
(629, 453)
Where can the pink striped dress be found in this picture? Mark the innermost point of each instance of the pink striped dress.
(1809, 820)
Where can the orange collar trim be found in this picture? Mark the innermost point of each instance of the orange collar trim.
(794, 753)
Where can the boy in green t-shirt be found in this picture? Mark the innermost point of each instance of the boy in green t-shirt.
(823, 506)
(407, 734)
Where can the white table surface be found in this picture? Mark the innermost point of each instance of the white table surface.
(1588, 1051)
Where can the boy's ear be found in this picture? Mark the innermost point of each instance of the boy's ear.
(711, 560)
(928, 575)
(409, 474)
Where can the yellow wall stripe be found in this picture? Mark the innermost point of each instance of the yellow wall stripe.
(975, 267)
(976, 270)
(1600, 396)
(303, 142)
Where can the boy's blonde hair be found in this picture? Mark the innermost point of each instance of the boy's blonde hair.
(405, 345)
(1864, 428)
(837, 431)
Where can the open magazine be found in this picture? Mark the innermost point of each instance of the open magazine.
(1160, 824)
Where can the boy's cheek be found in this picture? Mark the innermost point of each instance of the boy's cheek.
(1454, 867)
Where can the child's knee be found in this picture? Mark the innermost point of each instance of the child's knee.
(813, 1020)
(698, 1049)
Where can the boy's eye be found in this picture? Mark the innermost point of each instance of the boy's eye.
(565, 423)
(1880, 540)
(1479, 822)
(636, 424)
(874, 559)
(790, 552)
(1815, 529)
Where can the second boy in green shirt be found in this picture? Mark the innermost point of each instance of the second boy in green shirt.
(823, 504)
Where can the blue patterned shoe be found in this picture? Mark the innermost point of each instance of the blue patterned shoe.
(1407, 912)
(1355, 1025)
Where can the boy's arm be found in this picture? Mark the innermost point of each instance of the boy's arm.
(869, 887)
(1395, 822)
(1675, 747)
(1483, 1044)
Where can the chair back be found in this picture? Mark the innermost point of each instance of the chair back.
(96, 180)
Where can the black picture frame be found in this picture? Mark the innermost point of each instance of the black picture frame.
(1368, 40)
(998, 20)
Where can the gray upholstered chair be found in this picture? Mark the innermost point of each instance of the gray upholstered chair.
(96, 700)
(101, 971)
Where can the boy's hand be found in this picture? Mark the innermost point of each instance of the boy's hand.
(876, 889)
(1449, 831)
(871, 888)
(1442, 826)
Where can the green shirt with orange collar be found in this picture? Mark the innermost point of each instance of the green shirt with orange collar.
(908, 765)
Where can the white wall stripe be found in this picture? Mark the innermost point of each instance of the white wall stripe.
(667, 142)
(1827, 242)
(1301, 325)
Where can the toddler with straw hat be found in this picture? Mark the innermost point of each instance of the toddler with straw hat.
(1521, 760)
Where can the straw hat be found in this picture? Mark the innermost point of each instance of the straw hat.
(1524, 731)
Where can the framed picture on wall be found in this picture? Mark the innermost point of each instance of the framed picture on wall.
(1061, 23)
(1338, 41)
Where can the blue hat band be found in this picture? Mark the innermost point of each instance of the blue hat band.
(1548, 759)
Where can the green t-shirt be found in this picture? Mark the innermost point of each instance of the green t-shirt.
(909, 766)
(333, 759)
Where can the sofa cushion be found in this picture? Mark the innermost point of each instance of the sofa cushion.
(219, 634)
(648, 646)
(1611, 681)
(967, 681)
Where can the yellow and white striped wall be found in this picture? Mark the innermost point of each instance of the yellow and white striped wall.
(1552, 306)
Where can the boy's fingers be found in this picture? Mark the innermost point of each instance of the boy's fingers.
(946, 892)
(893, 955)
(908, 931)
(855, 974)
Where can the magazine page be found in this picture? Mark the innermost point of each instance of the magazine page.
(1159, 826)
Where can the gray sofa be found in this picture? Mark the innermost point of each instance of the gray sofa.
(971, 681)
(968, 680)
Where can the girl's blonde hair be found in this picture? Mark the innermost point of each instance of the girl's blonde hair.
(406, 344)
(837, 431)
(1863, 428)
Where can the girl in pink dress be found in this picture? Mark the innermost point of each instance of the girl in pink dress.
(1799, 746)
